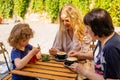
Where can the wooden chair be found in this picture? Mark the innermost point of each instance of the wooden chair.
(4, 51)
(7, 77)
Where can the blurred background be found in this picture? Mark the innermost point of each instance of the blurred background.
(48, 9)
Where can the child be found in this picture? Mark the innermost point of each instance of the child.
(22, 51)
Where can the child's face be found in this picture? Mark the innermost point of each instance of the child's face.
(24, 42)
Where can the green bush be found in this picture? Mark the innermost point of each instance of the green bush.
(112, 6)
(62, 2)
(83, 5)
(114, 10)
(52, 7)
(37, 6)
(6, 8)
(1, 8)
(105, 4)
(20, 7)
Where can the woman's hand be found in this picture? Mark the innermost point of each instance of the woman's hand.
(73, 53)
(80, 69)
(76, 67)
(53, 51)
(87, 55)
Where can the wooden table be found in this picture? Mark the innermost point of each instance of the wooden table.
(49, 70)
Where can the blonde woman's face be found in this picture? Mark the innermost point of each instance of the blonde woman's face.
(65, 20)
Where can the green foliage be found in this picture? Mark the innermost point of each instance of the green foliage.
(6, 8)
(52, 7)
(115, 12)
(20, 7)
(83, 5)
(1, 8)
(112, 6)
(105, 4)
(62, 2)
(37, 6)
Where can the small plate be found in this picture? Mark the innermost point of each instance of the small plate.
(59, 59)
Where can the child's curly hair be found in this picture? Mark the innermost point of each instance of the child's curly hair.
(20, 31)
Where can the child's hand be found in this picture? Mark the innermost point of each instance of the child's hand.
(35, 50)
(38, 46)
(38, 55)
(34, 53)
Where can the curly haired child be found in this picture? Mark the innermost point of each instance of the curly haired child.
(22, 51)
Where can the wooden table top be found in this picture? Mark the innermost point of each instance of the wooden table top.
(49, 70)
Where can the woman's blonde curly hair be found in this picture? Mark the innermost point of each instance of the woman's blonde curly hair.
(76, 20)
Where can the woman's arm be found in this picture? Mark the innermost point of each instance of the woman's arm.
(77, 67)
(87, 55)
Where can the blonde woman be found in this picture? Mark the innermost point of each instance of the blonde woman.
(71, 34)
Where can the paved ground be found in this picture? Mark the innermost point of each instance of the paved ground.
(43, 34)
